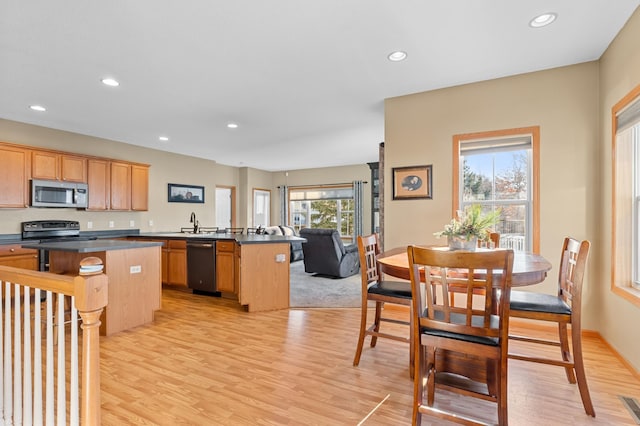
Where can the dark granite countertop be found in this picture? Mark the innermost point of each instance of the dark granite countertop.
(91, 246)
(101, 236)
(10, 239)
(212, 236)
(106, 234)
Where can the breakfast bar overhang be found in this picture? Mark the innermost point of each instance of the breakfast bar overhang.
(133, 269)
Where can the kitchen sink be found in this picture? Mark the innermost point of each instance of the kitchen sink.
(201, 231)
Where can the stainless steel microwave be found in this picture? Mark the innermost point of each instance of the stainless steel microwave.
(52, 193)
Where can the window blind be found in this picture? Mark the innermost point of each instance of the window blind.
(628, 116)
(495, 145)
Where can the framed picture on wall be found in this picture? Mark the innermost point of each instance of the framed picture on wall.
(412, 183)
(178, 193)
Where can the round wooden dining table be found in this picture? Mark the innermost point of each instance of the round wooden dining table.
(528, 268)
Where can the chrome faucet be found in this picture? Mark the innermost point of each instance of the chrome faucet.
(195, 222)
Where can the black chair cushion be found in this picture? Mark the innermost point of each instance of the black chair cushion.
(537, 302)
(391, 288)
(460, 319)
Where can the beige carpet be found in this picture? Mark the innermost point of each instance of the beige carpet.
(310, 291)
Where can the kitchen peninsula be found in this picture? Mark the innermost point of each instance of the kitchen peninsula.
(254, 269)
(133, 268)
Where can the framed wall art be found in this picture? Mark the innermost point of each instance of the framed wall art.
(178, 193)
(412, 183)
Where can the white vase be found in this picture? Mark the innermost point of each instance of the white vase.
(460, 242)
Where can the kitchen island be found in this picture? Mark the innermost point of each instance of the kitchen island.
(133, 269)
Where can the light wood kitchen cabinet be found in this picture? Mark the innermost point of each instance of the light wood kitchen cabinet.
(116, 185)
(14, 176)
(58, 166)
(98, 172)
(177, 262)
(164, 258)
(139, 187)
(129, 189)
(226, 266)
(16, 256)
(120, 186)
(113, 184)
(263, 284)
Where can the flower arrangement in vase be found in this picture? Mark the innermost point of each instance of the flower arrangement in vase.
(470, 225)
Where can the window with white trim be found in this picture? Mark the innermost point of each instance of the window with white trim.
(498, 171)
(626, 193)
(323, 207)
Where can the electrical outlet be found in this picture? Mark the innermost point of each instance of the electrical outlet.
(280, 258)
(151, 223)
(132, 223)
(111, 224)
(135, 269)
(89, 225)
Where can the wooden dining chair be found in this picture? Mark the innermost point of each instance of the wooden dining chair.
(443, 331)
(380, 291)
(492, 242)
(237, 231)
(563, 308)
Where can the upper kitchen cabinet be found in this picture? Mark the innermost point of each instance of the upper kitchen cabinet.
(14, 176)
(99, 184)
(120, 186)
(58, 166)
(129, 186)
(139, 187)
(113, 184)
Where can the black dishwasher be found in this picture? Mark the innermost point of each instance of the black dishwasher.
(201, 267)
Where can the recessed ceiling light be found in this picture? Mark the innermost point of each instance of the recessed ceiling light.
(39, 108)
(232, 125)
(163, 138)
(110, 82)
(397, 56)
(543, 20)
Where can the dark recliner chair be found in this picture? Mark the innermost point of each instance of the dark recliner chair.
(288, 231)
(325, 254)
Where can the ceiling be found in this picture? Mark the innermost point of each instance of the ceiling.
(304, 80)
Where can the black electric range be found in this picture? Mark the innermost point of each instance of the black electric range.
(49, 231)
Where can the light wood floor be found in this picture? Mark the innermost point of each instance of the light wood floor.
(204, 361)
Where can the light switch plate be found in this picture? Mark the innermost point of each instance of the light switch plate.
(135, 269)
(111, 224)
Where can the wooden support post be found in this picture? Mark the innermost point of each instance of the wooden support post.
(91, 295)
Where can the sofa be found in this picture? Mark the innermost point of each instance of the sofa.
(296, 246)
(325, 254)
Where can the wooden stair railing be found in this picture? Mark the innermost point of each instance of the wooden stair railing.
(21, 380)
